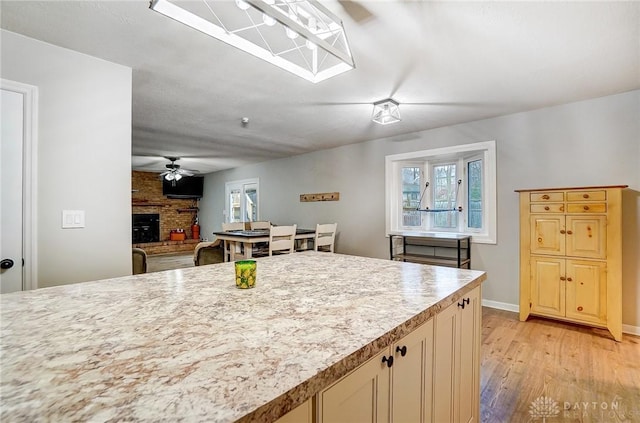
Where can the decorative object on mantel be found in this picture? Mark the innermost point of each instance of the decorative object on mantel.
(177, 235)
(300, 36)
(323, 196)
(427, 209)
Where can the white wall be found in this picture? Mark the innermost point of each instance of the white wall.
(84, 158)
(595, 142)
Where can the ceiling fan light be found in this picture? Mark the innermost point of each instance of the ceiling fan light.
(386, 112)
(169, 176)
(177, 176)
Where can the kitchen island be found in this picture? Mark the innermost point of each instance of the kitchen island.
(188, 345)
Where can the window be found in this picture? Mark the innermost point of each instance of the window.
(242, 201)
(448, 189)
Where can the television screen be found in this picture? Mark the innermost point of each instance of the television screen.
(187, 187)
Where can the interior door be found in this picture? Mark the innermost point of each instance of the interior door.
(11, 153)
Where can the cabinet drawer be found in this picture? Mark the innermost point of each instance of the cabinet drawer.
(546, 196)
(586, 195)
(587, 208)
(547, 208)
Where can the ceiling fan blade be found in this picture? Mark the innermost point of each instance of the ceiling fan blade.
(356, 11)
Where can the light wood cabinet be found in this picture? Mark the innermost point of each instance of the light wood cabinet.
(570, 255)
(301, 414)
(393, 386)
(456, 361)
(434, 376)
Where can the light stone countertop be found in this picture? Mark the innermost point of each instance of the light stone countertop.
(188, 345)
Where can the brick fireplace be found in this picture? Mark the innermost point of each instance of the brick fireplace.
(148, 203)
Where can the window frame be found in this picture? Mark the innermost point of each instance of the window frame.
(461, 155)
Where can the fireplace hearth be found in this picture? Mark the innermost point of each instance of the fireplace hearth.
(146, 228)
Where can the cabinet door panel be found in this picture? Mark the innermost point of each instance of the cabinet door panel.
(587, 236)
(361, 396)
(469, 364)
(301, 414)
(445, 364)
(547, 234)
(547, 286)
(411, 376)
(587, 291)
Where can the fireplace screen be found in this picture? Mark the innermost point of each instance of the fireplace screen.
(146, 228)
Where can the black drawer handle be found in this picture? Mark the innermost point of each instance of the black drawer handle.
(388, 360)
(402, 351)
(464, 301)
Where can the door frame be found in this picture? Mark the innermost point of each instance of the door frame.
(227, 191)
(29, 180)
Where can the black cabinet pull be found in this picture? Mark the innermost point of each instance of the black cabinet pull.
(402, 351)
(388, 360)
(464, 301)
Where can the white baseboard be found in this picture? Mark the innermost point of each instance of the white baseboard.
(629, 329)
(501, 306)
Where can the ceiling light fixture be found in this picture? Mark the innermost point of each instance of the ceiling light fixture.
(308, 40)
(386, 112)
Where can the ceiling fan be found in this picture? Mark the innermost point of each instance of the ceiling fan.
(174, 173)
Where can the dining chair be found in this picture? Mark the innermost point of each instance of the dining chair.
(282, 239)
(325, 237)
(208, 253)
(260, 224)
(138, 261)
(232, 226)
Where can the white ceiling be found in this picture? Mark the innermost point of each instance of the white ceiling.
(445, 62)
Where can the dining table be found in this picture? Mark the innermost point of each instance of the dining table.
(248, 238)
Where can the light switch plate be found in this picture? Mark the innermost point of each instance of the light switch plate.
(72, 219)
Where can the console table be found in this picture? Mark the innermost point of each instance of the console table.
(440, 249)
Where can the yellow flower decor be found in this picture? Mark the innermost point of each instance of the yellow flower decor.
(245, 274)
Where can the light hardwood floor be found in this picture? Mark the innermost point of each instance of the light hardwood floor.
(578, 367)
(160, 262)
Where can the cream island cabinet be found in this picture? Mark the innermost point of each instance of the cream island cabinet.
(187, 345)
(571, 255)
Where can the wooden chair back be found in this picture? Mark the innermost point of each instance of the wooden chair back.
(282, 239)
(260, 224)
(233, 226)
(325, 237)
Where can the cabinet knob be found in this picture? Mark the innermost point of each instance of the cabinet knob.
(586, 207)
(569, 279)
(569, 232)
(546, 207)
(464, 301)
(402, 351)
(562, 231)
(562, 278)
(580, 308)
(545, 197)
(388, 360)
(585, 195)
